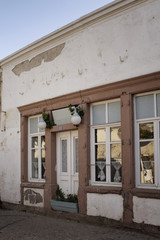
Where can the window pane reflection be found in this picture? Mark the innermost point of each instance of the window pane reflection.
(115, 134)
(34, 125)
(116, 163)
(100, 135)
(114, 112)
(99, 114)
(145, 106)
(43, 142)
(100, 159)
(43, 164)
(34, 142)
(35, 163)
(100, 152)
(146, 130)
(147, 162)
(158, 104)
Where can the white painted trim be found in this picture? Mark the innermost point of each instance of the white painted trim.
(30, 135)
(107, 143)
(155, 121)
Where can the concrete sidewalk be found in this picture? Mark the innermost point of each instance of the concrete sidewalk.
(24, 225)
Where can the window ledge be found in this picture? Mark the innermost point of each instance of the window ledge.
(146, 193)
(103, 189)
(33, 185)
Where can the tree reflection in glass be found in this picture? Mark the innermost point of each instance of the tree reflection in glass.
(147, 152)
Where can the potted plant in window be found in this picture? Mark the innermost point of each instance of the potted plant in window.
(63, 203)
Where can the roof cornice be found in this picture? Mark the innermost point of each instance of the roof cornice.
(93, 17)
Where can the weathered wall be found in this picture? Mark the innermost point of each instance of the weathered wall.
(105, 205)
(122, 46)
(146, 210)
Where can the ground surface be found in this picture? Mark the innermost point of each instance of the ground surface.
(21, 225)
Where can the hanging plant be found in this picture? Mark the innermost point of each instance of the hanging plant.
(49, 123)
(78, 108)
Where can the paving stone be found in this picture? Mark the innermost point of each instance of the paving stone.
(24, 225)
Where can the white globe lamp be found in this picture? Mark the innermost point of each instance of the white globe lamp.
(41, 124)
(75, 119)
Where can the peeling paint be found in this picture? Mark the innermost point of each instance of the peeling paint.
(46, 56)
(62, 74)
(99, 54)
(0, 90)
(80, 72)
(124, 57)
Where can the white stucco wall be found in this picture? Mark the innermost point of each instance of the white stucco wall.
(146, 210)
(122, 46)
(10, 158)
(105, 205)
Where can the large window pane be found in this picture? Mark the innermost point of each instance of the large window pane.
(100, 135)
(99, 114)
(115, 134)
(114, 114)
(145, 106)
(147, 162)
(146, 130)
(34, 125)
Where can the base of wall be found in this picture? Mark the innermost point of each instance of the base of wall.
(102, 221)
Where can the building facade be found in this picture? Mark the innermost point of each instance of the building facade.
(108, 63)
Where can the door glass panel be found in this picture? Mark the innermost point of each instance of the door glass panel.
(100, 135)
(99, 114)
(35, 163)
(115, 134)
(147, 162)
(116, 162)
(76, 155)
(146, 130)
(145, 106)
(114, 112)
(64, 156)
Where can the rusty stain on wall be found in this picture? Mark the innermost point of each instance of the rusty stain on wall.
(47, 56)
